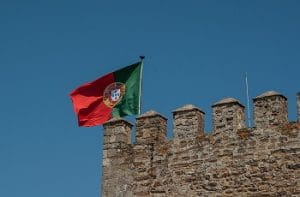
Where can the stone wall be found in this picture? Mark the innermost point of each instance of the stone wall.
(231, 161)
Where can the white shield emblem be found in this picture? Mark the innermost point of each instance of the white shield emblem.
(115, 94)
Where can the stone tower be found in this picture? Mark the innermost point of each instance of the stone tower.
(232, 160)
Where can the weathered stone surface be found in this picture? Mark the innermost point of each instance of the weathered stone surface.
(151, 127)
(228, 114)
(231, 161)
(188, 122)
(117, 159)
(270, 109)
(227, 101)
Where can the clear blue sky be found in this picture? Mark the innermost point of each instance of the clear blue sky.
(196, 52)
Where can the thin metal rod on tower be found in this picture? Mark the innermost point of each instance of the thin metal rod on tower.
(248, 101)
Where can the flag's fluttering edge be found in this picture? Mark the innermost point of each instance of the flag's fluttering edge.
(116, 94)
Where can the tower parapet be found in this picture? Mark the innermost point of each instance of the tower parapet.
(188, 122)
(151, 127)
(270, 109)
(228, 114)
(117, 130)
(117, 158)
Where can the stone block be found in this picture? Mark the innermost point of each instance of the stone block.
(188, 122)
(270, 109)
(228, 115)
(151, 127)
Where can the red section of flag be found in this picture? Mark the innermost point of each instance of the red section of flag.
(88, 102)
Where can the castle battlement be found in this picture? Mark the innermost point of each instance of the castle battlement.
(230, 161)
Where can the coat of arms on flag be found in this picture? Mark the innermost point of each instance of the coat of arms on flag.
(113, 94)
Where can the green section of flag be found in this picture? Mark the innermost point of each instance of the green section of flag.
(131, 77)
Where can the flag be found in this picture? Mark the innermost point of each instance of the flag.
(115, 94)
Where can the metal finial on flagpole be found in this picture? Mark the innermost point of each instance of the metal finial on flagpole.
(142, 57)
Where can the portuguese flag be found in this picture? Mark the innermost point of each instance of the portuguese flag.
(115, 94)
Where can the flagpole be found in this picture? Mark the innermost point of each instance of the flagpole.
(141, 74)
(248, 100)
